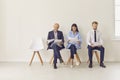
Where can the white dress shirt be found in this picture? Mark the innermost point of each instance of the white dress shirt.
(91, 40)
(55, 35)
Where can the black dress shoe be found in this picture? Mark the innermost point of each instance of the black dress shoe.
(55, 67)
(102, 65)
(90, 65)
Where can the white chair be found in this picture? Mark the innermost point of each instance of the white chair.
(36, 46)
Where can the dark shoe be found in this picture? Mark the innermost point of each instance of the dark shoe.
(55, 67)
(102, 65)
(90, 65)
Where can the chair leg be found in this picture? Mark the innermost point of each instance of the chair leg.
(40, 57)
(88, 61)
(78, 58)
(32, 59)
(69, 60)
(97, 56)
(51, 60)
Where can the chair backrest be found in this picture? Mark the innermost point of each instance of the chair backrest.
(37, 44)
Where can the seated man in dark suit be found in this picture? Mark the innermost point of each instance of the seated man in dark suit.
(56, 42)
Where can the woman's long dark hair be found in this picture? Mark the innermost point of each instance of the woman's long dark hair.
(74, 25)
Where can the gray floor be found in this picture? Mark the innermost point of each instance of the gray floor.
(22, 71)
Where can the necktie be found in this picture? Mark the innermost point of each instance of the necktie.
(95, 36)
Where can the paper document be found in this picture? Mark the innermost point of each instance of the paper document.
(50, 40)
(73, 40)
(57, 41)
(96, 44)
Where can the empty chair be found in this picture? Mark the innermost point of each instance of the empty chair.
(36, 46)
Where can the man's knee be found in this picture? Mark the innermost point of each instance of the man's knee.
(89, 48)
(54, 46)
(102, 48)
(73, 46)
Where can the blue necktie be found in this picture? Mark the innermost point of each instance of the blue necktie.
(95, 36)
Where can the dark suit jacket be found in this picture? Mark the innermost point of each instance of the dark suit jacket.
(59, 35)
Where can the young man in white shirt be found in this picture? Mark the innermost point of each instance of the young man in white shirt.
(95, 42)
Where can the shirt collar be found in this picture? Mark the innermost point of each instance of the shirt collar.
(73, 33)
(94, 30)
(55, 32)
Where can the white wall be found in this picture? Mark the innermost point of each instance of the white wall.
(22, 20)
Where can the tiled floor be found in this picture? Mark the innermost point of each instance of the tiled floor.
(22, 71)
